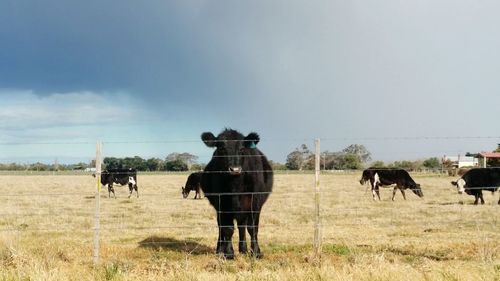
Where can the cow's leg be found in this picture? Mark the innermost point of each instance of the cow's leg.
(136, 190)
(130, 189)
(111, 189)
(242, 226)
(374, 191)
(374, 194)
(253, 230)
(394, 192)
(481, 197)
(377, 191)
(227, 230)
(219, 239)
(403, 192)
(476, 196)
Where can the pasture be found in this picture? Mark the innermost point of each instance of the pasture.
(47, 232)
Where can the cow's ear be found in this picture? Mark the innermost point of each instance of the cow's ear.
(209, 139)
(454, 183)
(252, 140)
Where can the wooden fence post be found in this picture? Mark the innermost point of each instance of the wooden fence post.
(317, 227)
(98, 160)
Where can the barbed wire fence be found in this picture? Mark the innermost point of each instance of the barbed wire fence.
(22, 217)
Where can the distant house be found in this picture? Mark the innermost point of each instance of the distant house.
(462, 161)
(484, 156)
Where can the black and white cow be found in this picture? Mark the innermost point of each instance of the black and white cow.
(474, 181)
(193, 183)
(122, 177)
(388, 176)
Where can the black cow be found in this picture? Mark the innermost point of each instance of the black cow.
(474, 181)
(237, 181)
(122, 177)
(385, 176)
(193, 183)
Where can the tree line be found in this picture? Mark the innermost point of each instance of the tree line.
(174, 162)
(38, 166)
(353, 157)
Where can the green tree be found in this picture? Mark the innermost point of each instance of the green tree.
(197, 167)
(432, 163)
(494, 162)
(187, 158)
(352, 157)
(378, 164)
(176, 165)
(112, 163)
(154, 164)
(135, 162)
(277, 166)
(407, 165)
(330, 160)
(299, 159)
(350, 161)
(359, 151)
(39, 167)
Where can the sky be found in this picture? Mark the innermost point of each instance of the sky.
(407, 79)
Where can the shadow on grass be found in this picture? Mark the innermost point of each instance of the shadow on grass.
(450, 203)
(185, 246)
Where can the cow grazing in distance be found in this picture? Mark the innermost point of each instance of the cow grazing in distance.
(122, 177)
(237, 182)
(388, 176)
(193, 183)
(474, 181)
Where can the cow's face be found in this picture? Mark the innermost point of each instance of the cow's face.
(185, 192)
(460, 184)
(417, 190)
(364, 177)
(231, 149)
(362, 181)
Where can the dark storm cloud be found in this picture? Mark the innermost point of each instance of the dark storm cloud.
(288, 69)
(63, 46)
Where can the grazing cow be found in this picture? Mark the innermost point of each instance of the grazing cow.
(474, 181)
(122, 177)
(237, 182)
(385, 176)
(193, 183)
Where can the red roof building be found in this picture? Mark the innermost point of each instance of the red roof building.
(484, 156)
(489, 154)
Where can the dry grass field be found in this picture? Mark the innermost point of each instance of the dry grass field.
(47, 232)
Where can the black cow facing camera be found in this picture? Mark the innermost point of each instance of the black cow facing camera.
(237, 182)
